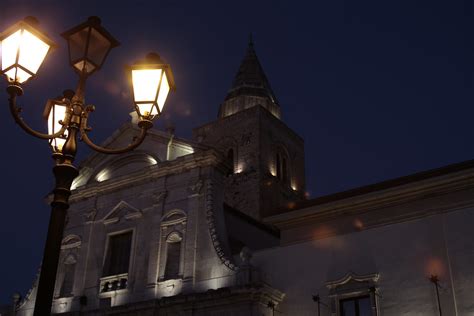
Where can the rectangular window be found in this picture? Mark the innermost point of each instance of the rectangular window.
(172, 260)
(356, 306)
(117, 258)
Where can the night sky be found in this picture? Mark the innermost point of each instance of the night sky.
(377, 89)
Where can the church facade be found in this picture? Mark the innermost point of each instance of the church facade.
(219, 225)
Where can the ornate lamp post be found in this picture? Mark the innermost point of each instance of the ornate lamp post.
(24, 48)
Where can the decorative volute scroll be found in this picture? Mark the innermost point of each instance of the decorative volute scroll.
(217, 241)
(121, 211)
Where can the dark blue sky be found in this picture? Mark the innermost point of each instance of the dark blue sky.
(378, 89)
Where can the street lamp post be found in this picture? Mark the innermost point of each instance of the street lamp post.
(24, 48)
(435, 280)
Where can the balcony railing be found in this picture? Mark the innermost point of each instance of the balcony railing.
(113, 283)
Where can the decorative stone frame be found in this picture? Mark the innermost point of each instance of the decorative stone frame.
(119, 220)
(69, 253)
(172, 224)
(353, 286)
(119, 278)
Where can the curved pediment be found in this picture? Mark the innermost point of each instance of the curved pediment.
(352, 277)
(114, 167)
(123, 165)
(173, 217)
(71, 241)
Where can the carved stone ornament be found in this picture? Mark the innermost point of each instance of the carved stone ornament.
(351, 277)
(90, 216)
(159, 197)
(195, 189)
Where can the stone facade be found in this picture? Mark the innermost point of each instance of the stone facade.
(218, 225)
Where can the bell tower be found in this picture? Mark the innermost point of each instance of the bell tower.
(266, 155)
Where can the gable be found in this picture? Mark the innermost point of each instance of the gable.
(122, 211)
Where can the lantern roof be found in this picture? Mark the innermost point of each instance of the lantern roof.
(30, 23)
(153, 59)
(95, 22)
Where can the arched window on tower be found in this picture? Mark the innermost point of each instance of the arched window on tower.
(278, 165)
(284, 170)
(230, 158)
(282, 167)
(173, 255)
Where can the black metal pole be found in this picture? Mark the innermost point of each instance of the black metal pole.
(317, 299)
(439, 302)
(434, 279)
(64, 174)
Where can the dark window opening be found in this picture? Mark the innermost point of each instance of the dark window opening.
(173, 256)
(357, 306)
(230, 158)
(278, 166)
(117, 259)
(284, 171)
(68, 282)
(282, 168)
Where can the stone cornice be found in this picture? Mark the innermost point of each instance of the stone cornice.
(182, 164)
(384, 198)
(248, 112)
(258, 293)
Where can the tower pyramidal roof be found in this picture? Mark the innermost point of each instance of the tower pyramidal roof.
(250, 87)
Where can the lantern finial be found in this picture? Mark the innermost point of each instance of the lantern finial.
(31, 20)
(94, 20)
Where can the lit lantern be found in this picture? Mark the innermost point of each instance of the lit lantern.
(89, 44)
(152, 80)
(55, 112)
(24, 49)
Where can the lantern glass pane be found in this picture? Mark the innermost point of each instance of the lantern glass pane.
(99, 45)
(18, 73)
(145, 84)
(164, 90)
(77, 45)
(56, 114)
(84, 66)
(147, 109)
(58, 143)
(32, 52)
(10, 47)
